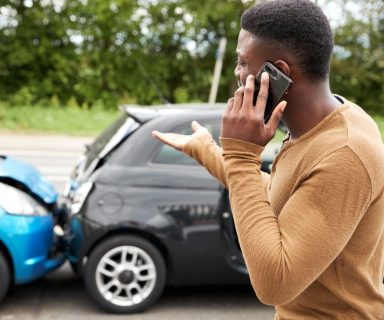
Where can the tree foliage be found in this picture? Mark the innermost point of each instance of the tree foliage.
(106, 52)
(358, 62)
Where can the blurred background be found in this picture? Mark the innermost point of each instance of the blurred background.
(66, 65)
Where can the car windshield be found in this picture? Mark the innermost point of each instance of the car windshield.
(110, 138)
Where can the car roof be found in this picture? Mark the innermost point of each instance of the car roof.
(145, 113)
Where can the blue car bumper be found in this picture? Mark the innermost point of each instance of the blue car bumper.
(30, 241)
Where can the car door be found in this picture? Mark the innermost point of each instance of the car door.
(205, 243)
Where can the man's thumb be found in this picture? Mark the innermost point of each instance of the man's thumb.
(195, 125)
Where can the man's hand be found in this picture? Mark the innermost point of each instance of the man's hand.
(243, 121)
(178, 141)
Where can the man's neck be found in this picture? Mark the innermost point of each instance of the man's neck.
(307, 106)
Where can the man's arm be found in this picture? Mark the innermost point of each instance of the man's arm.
(205, 151)
(285, 255)
(202, 147)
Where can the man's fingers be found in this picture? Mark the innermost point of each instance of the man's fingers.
(230, 103)
(248, 91)
(226, 116)
(167, 138)
(276, 117)
(161, 136)
(238, 99)
(229, 107)
(263, 95)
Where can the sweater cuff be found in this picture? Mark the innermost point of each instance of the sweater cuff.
(230, 145)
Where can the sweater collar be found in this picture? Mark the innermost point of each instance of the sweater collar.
(345, 105)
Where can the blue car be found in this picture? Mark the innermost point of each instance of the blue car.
(31, 238)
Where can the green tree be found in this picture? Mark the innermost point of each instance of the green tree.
(37, 56)
(106, 52)
(105, 36)
(177, 45)
(358, 61)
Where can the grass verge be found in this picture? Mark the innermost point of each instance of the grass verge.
(71, 121)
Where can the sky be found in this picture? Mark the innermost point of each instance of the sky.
(334, 11)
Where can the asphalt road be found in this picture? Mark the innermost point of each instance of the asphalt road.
(61, 295)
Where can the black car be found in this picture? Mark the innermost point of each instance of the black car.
(144, 215)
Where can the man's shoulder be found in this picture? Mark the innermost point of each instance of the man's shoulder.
(363, 135)
(350, 126)
(358, 133)
(349, 129)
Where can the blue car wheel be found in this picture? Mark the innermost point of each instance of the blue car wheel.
(5, 276)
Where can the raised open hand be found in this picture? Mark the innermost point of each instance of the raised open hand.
(178, 141)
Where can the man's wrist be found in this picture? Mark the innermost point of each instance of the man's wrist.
(196, 143)
(234, 145)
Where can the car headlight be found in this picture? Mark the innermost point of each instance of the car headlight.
(79, 197)
(15, 201)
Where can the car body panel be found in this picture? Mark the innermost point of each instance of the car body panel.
(184, 219)
(29, 240)
(24, 173)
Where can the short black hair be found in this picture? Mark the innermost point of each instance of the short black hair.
(297, 25)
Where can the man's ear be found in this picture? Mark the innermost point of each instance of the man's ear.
(283, 67)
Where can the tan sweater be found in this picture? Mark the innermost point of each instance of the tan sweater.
(313, 234)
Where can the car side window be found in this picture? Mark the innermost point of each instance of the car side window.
(169, 155)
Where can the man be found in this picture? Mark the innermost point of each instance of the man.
(312, 233)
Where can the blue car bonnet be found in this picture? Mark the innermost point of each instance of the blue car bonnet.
(29, 176)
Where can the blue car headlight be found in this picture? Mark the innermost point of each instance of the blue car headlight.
(15, 201)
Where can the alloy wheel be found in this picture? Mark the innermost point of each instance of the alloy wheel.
(125, 276)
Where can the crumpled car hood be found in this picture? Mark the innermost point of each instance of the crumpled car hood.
(24, 173)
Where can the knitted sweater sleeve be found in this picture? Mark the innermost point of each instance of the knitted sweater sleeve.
(285, 254)
(205, 151)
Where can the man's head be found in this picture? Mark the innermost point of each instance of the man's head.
(293, 31)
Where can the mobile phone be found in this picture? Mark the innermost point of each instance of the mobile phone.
(279, 84)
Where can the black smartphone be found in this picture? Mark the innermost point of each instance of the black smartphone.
(279, 84)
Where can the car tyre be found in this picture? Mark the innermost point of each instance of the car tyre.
(5, 276)
(125, 274)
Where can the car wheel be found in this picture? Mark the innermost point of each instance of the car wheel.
(5, 276)
(125, 274)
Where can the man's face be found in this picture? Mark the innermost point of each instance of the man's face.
(250, 56)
